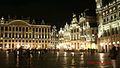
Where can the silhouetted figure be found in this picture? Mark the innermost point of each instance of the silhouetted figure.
(27, 53)
(20, 54)
(27, 56)
(15, 55)
(113, 55)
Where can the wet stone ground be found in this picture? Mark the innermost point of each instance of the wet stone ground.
(57, 60)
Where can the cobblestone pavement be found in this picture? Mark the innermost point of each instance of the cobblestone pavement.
(57, 60)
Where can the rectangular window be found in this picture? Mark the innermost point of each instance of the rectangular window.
(26, 29)
(16, 28)
(2, 28)
(13, 28)
(9, 28)
(6, 28)
(5, 40)
(19, 28)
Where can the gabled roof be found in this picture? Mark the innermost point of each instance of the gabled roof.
(19, 22)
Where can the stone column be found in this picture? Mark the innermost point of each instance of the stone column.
(15, 32)
(41, 32)
(24, 31)
(47, 32)
(38, 33)
(35, 33)
(8, 33)
(44, 32)
(3, 31)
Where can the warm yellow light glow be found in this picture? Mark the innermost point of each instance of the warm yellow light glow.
(101, 57)
(118, 42)
(7, 46)
(65, 54)
(109, 43)
(58, 47)
(28, 46)
(65, 47)
(93, 46)
(18, 46)
(113, 42)
(72, 53)
(101, 44)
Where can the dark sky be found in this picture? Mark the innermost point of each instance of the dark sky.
(54, 12)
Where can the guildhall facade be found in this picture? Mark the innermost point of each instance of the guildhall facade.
(79, 34)
(108, 19)
(17, 33)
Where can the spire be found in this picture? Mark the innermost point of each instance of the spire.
(43, 22)
(82, 14)
(74, 15)
(54, 27)
(66, 26)
(66, 23)
(74, 19)
(88, 25)
(2, 20)
(33, 22)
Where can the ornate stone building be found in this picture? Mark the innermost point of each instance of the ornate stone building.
(108, 18)
(75, 34)
(16, 33)
(69, 36)
(54, 38)
(89, 31)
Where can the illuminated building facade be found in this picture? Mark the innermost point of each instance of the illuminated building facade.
(89, 31)
(75, 34)
(108, 18)
(54, 38)
(16, 33)
(69, 36)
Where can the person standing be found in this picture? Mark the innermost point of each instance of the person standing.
(20, 54)
(113, 55)
(15, 55)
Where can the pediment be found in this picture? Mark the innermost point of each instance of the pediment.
(19, 22)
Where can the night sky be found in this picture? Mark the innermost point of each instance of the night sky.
(56, 12)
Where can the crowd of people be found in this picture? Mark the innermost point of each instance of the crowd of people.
(25, 54)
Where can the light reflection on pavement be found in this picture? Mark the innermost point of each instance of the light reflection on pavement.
(56, 60)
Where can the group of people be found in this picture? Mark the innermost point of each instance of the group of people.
(26, 54)
(21, 54)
